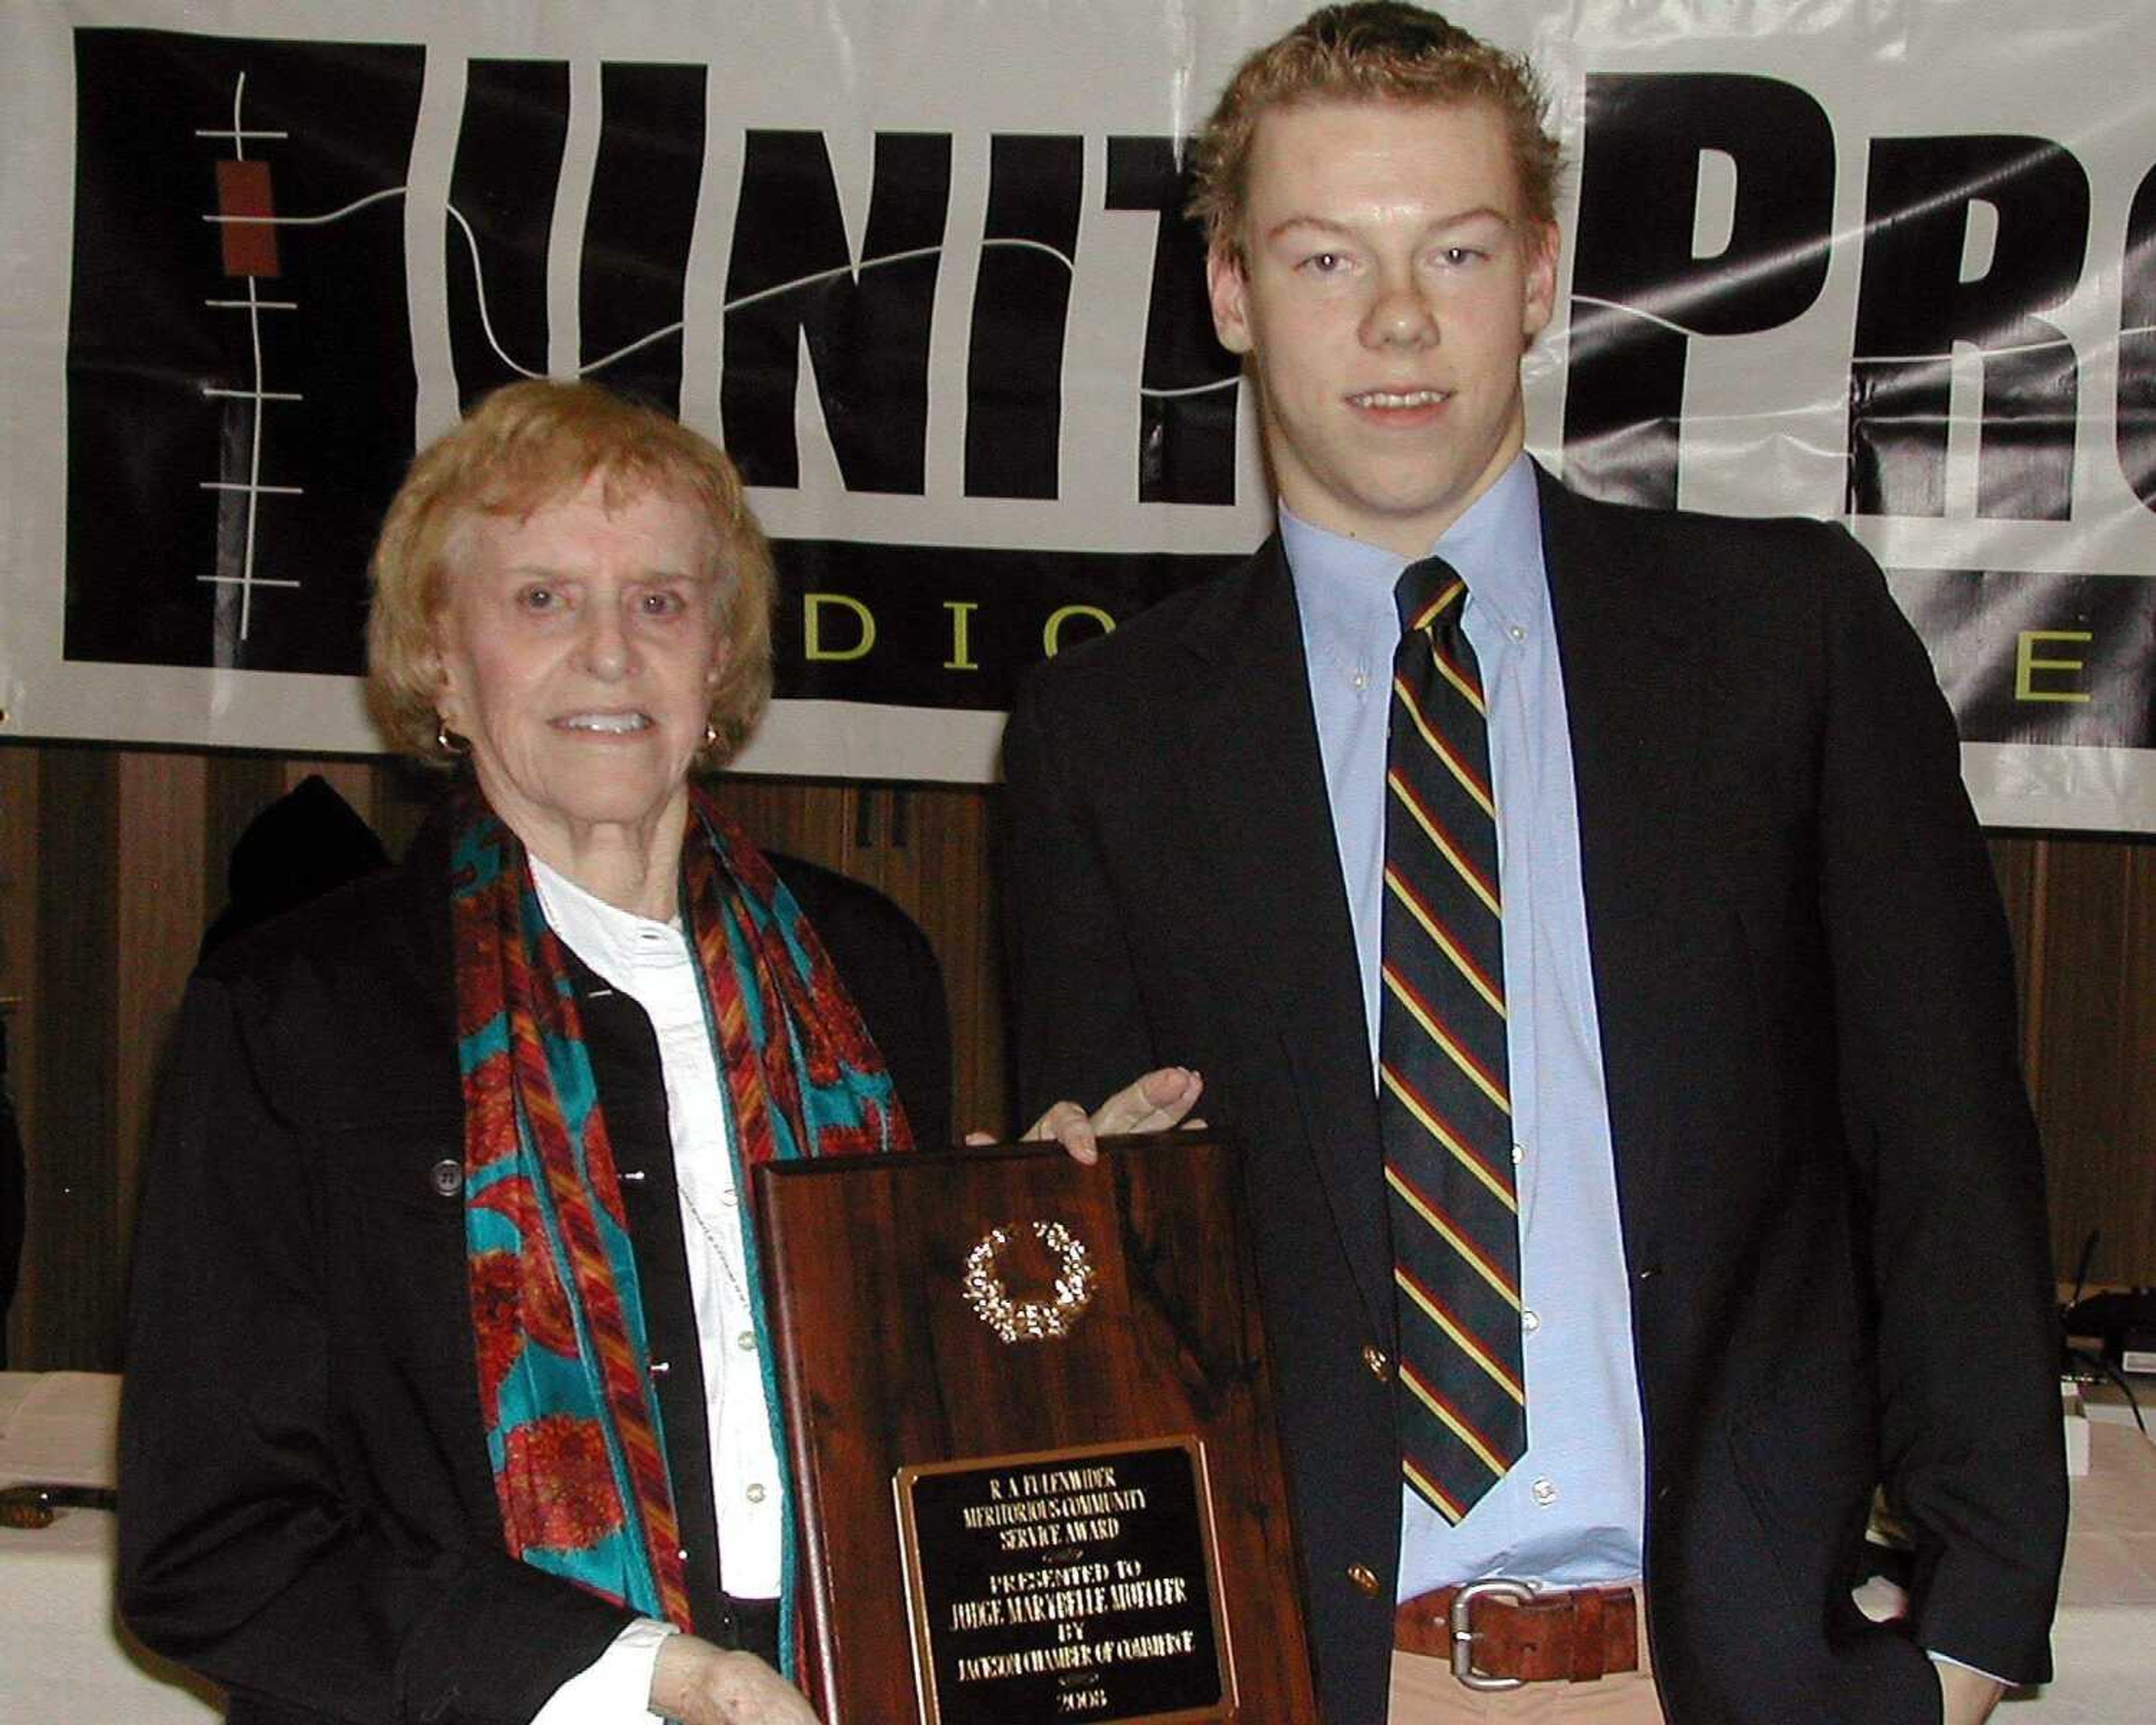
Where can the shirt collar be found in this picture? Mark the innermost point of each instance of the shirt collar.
(618, 944)
(1343, 587)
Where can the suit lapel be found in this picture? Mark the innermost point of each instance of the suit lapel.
(1632, 664)
(1251, 731)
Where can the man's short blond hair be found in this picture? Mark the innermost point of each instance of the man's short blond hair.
(1375, 51)
(526, 446)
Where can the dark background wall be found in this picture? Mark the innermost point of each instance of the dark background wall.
(112, 860)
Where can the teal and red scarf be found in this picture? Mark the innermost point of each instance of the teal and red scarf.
(573, 1430)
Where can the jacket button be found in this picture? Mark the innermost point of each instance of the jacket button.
(1364, 1578)
(447, 1177)
(1373, 1356)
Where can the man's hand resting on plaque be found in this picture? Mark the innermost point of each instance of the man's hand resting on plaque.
(1161, 1099)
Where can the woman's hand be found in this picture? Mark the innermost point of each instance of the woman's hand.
(1153, 1103)
(699, 1684)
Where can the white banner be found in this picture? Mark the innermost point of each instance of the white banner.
(921, 268)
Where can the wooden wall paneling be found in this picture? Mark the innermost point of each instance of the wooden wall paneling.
(2095, 1092)
(72, 1256)
(19, 773)
(2019, 866)
(928, 847)
(808, 818)
(163, 804)
(2137, 1043)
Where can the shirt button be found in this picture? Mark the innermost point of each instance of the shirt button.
(730, 1197)
(1517, 633)
(1543, 1493)
(755, 1494)
(1380, 1369)
(1519, 1154)
(1364, 1578)
(1529, 1322)
(746, 1340)
(447, 1177)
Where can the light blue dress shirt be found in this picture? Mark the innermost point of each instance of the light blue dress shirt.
(1572, 1510)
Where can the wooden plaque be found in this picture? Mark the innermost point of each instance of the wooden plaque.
(1036, 1471)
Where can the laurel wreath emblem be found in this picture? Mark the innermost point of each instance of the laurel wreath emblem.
(1028, 1320)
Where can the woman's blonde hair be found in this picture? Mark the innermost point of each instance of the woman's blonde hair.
(1376, 51)
(524, 446)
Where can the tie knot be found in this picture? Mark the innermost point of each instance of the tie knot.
(1427, 591)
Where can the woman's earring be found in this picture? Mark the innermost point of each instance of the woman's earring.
(446, 740)
(711, 735)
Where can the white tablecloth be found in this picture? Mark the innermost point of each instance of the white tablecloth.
(64, 1659)
(2104, 1642)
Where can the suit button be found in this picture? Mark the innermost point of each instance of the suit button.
(1364, 1578)
(447, 1177)
(1380, 1369)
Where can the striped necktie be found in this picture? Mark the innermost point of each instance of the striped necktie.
(1445, 1106)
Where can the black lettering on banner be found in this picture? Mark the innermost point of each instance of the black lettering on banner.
(1913, 306)
(1021, 315)
(645, 185)
(502, 198)
(1639, 295)
(2134, 414)
(865, 323)
(1187, 420)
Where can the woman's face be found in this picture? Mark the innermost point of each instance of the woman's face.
(578, 646)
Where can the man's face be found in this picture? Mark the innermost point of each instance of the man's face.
(1391, 284)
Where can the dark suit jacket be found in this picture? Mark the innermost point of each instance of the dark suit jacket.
(309, 1518)
(1828, 1178)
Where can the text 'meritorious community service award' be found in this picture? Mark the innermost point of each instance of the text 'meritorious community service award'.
(1033, 1439)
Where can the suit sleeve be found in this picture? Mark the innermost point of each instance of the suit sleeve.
(1939, 1124)
(245, 1551)
(1076, 991)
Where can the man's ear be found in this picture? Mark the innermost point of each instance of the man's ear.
(1228, 288)
(1538, 300)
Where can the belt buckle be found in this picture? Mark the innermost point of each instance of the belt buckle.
(1490, 1587)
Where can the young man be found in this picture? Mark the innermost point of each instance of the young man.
(1769, 1223)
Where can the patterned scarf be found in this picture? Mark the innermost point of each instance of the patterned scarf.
(573, 1429)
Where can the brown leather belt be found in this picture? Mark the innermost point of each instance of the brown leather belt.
(1496, 1632)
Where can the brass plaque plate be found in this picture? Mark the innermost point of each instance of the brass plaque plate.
(1076, 1584)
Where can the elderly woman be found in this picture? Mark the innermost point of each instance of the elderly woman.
(446, 1398)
